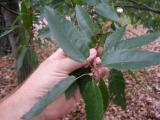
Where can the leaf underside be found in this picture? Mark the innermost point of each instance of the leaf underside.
(85, 22)
(70, 39)
(106, 11)
(114, 38)
(51, 96)
(137, 41)
(130, 59)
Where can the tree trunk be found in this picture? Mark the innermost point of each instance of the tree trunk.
(5, 47)
(9, 17)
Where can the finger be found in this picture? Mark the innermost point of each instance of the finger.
(99, 51)
(72, 65)
(77, 96)
(93, 54)
(59, 54)
(103, 71)
(97, 62)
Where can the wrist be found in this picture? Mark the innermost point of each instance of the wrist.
(16, 105)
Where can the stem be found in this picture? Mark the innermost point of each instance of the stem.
(82, 76)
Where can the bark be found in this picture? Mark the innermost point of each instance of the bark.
(9, 17)
(5, 47)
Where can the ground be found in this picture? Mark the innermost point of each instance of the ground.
(142, 94)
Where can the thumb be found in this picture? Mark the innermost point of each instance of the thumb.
(72, 65)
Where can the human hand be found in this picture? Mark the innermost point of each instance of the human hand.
(56, 68)
(62, 66)
(63, 70)
(49, 73)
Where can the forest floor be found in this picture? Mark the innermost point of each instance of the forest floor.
(142, 94)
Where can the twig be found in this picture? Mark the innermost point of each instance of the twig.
(10, 10)
(141, 6)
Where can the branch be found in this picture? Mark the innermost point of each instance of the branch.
(10, 10)
(143, 7)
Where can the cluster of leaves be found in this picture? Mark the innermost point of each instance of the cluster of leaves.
(25, 55)
(119, 54)
(144, 11)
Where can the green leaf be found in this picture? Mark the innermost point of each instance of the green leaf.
(56, 3)
(28, 3)
(21, 55)
(92, 2)
(130, 59)
(51, 96)
(85, 22)
(116, 82)
(81, 71)
(78, 1)
(77, 73)
(26, 16)
(71, 90)
(72, 41)
(92, 97)
(106, 11)
(137, 41)
(120, 100)
(32, 58)
(44, 32)
(117, 87)
(105, 93)
(114, 38)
